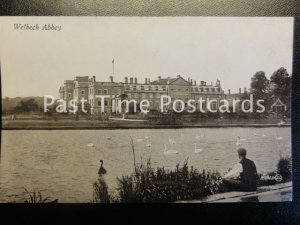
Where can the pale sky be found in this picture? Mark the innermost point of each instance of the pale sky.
(232, 49)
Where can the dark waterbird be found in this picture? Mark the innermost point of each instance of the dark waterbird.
(101, 170)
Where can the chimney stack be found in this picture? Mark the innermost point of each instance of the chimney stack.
(195, 83)
(178, 76)
(159, 78)
(131, 80)
(146, 80)
(126, 80)
(240, 90)
(111, 78)
(229, 91)
(245, 90)
(168, 80)
(191, 81)
(135, 80)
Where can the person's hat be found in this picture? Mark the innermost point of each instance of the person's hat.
(242, 151)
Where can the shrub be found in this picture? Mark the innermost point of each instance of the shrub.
(101, 194)
(284, 168)
(34, 197)
(160, 185)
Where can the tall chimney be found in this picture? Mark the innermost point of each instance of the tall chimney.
(240, 90)
(111, 78)
(229, 91)
(135, 80)
(202, 82)
(245, 90)
(191, 81)
(159, 78)
(146, 80)
(178, 76)
(195, 83)
(131, 80)
(126, 80)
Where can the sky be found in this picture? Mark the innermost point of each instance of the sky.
(232, 49)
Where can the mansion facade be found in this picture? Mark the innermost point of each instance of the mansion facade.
(177, 88)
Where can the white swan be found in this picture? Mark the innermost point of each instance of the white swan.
(198, 136)
(139, 140)
(241, 139)
(263, 135)
(169, 151)
(172, 141)
(238, 143)
(148, 144)
(90, 145)
(198, 150)
(255, 134)
(278, 138)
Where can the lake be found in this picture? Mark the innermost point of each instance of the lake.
(61, 164)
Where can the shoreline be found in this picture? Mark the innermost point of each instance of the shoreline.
(114, 125)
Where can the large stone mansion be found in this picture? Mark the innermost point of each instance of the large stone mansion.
(176, 88)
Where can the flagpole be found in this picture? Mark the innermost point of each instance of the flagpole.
(113, 62)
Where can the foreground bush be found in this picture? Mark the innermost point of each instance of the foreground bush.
(284, 168)
(160, 185)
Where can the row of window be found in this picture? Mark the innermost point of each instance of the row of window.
(91, 101)
(207, 89)
(146, 88)
(99, 91)
(143, 95)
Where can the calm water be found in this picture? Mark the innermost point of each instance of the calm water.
(61, 165)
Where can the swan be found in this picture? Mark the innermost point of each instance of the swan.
(108, 138)
(198, 136)
(263, 135)
(238, 141)
(101, 170)
(241, 139)
(139, 140)
(148, 144)
(169, 151)
(90, 145)
(278, 138)
(255, 134)
(172, 140)
(198, 150)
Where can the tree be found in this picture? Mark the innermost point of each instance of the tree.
(26, 106)
(260, 89)
(281, 82)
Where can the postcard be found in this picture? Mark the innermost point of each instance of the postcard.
(146, 109)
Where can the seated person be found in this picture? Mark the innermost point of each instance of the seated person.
(243, 176)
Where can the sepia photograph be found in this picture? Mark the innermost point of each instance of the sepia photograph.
(146, 109)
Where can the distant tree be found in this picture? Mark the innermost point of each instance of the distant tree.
(26, 106)
(260, 89)
(281, 84)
